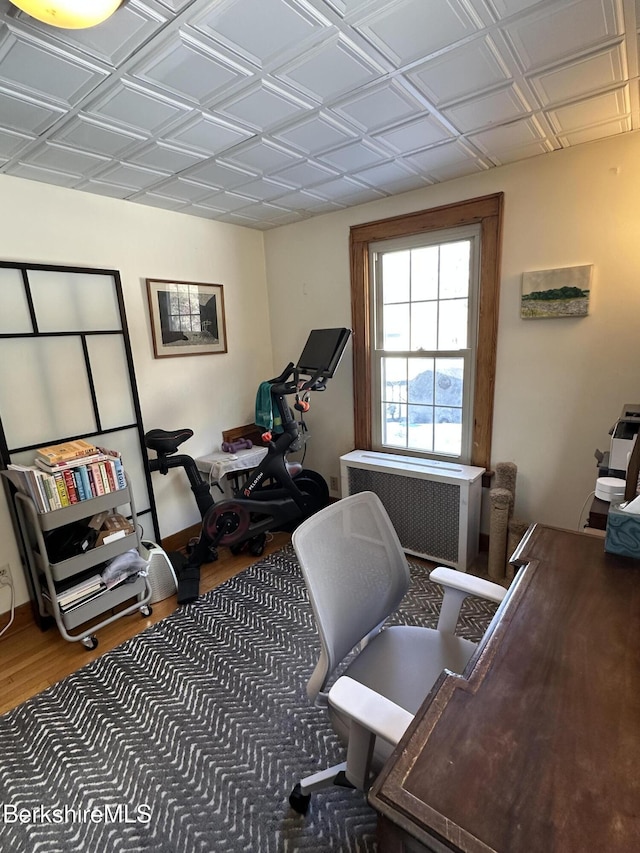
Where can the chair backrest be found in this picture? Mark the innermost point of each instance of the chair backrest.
(356, 574)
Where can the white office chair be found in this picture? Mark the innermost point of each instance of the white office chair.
(356, 574)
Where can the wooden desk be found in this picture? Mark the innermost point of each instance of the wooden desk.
(537, 748)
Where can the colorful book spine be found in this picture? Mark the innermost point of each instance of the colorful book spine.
(77, 482)
(92, 485)
(86, 485)
(46, 484)
(37, 492)
(62, 489)
(58, 488)
(55, 496)
(97, 479)
(70, 486)
(110, 470)
(120, 477)
(105, 479)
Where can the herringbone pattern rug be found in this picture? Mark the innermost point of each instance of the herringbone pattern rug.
(189, 737)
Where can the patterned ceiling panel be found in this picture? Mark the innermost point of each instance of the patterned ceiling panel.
(265, 112)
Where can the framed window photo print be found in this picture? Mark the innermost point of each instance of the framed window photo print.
(187, 318)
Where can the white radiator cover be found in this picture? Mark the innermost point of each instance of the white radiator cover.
(434, 506)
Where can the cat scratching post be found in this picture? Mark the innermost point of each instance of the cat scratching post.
(498, 532)
(502, 498)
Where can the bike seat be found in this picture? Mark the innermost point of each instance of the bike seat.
(294, 468)
(164, 441)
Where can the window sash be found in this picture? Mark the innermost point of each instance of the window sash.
(437, 444)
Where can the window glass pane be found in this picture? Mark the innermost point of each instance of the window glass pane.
(424, 325)
(449, 381)
(395, 276)
(447, 431)
(394, 384)
(454, 269)
(424, 273)
(74, 302)
(420, 387)
(14, 310)
(452, 331)
(396, 327)
(420, 428)
(394, 425)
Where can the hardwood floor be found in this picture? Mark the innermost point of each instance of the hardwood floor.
(32, 660)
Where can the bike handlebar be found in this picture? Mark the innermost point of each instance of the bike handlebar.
(281, 385)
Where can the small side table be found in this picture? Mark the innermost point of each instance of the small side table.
(598, 514)
(217, 466)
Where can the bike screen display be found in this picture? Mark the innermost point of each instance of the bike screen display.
(322, 351)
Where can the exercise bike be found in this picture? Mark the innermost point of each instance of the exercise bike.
(276, 495)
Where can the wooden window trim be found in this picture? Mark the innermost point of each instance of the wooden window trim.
(485, 211)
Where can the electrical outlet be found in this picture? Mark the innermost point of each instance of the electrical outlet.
(5, 575)
(333, 484)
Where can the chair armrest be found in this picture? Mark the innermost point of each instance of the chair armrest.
(457, 586)
(468, 584)
(371, 710)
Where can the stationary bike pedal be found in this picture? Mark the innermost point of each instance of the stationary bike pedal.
(257, 545)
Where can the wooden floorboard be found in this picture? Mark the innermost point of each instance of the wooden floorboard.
(32, 660)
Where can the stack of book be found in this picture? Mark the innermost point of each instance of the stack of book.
(78, 593)
(65, 474)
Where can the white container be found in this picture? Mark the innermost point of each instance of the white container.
(610, 489)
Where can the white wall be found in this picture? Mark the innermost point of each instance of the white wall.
(560, 384)
(45, 224)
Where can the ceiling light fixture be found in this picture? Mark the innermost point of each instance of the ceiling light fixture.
(69, 14)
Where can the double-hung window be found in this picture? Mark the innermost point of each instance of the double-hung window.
(424, 296)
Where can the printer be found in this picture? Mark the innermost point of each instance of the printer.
(623, 436)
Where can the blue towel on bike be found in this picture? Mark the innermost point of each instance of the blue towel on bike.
(265, 417)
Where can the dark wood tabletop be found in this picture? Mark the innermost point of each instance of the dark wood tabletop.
(536, 749)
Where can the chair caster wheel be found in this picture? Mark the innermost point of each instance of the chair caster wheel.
(298, 801)
(90, 643)
(146, 610)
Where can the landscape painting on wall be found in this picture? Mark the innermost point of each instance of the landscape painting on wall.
(563, 292)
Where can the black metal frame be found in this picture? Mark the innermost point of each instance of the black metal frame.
(6, 452)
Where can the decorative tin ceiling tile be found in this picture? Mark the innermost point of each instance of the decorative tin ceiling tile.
(260, 29)
(407, 30)
(218, 109)
(330, 69)
(208, 134)
(379, 107)
(35, 68)
(191, 69)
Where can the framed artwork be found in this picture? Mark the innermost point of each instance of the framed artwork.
(550, 294)
(186, 318)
